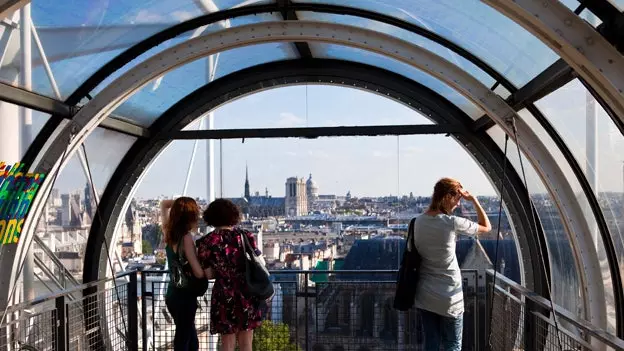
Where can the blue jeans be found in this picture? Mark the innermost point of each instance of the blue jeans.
(183, 312)
(442, 331)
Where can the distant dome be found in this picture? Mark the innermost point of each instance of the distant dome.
(311, 187)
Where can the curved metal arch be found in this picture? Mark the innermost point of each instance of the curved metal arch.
(148, 43)
(598, 62)
(96, 110)
(115, 198)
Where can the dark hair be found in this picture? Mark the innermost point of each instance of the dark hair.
(222, 212)
(444, 187)
(183, 217)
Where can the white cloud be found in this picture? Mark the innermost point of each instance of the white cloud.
(290, 153)
(289, 120)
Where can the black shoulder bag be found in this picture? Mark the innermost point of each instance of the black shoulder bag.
(256, 274)
(182, 275)
(407, 279)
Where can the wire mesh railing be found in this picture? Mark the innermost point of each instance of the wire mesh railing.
(523, 320)
(314, 310)
(95, 316)
(311, 310)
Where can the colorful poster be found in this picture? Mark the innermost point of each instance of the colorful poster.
(17, 190)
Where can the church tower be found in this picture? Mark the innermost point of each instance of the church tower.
(247, 192)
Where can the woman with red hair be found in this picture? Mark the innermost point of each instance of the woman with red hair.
(180, 218)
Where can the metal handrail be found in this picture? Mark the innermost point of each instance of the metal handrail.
(296, 271)
(598, 333)
(49, 297)
(55, 260)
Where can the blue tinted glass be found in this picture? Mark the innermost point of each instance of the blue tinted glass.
(322, 50)
(78, 37)
(561, 253)
(405, 35)
(234, 22)
(156, 97)
(476, 27)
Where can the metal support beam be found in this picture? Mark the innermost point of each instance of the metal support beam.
(33, 101)
(552, 78)
(119, 125)
(288, 14)
(316, 132)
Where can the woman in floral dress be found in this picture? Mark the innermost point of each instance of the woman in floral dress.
(234, 312)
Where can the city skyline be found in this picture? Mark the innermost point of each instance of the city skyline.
(365, 165)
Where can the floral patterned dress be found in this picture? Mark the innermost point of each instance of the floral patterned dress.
(232, 309)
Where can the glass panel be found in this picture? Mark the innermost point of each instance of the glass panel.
(78, 38)
(64, 228)
(569, 110)
(475, 26)
(105, 149)
(306, 106)
(567, 291)
(405, 35)
(332, 51)
(156, 97)
(234, 22)
(39, 119)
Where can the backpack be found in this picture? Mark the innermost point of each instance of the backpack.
(182, 276)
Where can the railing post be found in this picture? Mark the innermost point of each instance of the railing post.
(133, 313)
(307, 320)
(144, 310)
(489, 292)
(530, 327)
(62, 339)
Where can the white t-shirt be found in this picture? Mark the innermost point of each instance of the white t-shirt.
(439, 287)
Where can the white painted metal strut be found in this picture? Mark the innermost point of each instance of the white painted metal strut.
(121, 89)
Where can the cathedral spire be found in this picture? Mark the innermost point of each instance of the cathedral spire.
(247, 192)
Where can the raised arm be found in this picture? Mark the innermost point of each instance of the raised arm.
(165, 205)
(482, 218)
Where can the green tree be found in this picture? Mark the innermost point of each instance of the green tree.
(273, 337)
(147, 247)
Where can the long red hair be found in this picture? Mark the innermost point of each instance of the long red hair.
(183, 217)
